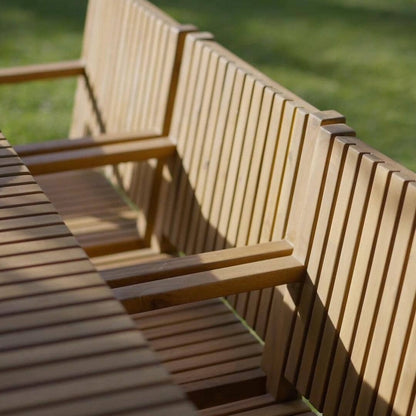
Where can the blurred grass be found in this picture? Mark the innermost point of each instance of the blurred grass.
(358, 57)
(38, 31)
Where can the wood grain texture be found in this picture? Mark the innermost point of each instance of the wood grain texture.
(206, 285)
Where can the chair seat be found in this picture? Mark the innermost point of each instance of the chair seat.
(93, 210)
(208, 351)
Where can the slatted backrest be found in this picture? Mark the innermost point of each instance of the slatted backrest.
(345, 343)
(130, 54)
(239, 138)
(223, 117)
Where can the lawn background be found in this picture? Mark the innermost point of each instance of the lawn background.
(355, 56)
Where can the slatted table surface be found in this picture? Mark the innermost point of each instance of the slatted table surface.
(66, 345)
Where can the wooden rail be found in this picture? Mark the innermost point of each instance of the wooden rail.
(42, 71)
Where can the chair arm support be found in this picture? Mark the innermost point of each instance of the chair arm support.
(110, 154)
(210, 284)
(60, 145)
(178, 266)
(42, 71)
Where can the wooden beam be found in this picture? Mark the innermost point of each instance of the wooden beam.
(210, 284)
(42, 71)
(179, 266)
(60, 145)
(99, 156)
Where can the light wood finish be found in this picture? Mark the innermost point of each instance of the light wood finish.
(150, 271)
(130, 62)
(356, 239)
(208, 350)
(210, 284)
(254, 166)
(60, 145)
(66, 344)
(91, 157)
(94, 211)
(43, 71)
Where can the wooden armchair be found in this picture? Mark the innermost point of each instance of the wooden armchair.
(127, 82)
(283, 216)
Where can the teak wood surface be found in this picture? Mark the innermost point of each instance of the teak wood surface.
(307, 231)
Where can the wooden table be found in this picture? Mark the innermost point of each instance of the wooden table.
(66, 345)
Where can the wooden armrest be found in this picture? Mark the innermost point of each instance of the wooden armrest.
(210, 284)
(179, 266)
(42, 71)
(60, 145)
(110, 154)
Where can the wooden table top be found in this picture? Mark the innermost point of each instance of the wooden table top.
(66, 345)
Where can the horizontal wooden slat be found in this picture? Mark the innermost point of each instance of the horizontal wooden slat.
(240, 405)
(76, 368)
(139, 401)
(83, 387)
(67, 350)
(60, 145)
(195, 263)
(230, 367)
(99, 156)
(194, 328)
(211, 284)
(213, 345)
(42, 71)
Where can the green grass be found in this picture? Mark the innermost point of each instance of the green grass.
(38, 31)
(357, 57)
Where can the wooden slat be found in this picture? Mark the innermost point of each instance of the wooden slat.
(284, 409)
(238, 406)
(216, 345)
(194, 264)
(116, 402)
(83, 387)
(99, 156)
(49, 286)
(77, 368)
(210, 284)
(176, 316)
(42, 71)
(222, 329)
(62, 145)
(190, 328)
(212, 371)
(65, 351)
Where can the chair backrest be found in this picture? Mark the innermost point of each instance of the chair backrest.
(239, 137)
(347, 339)
(130, 52)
